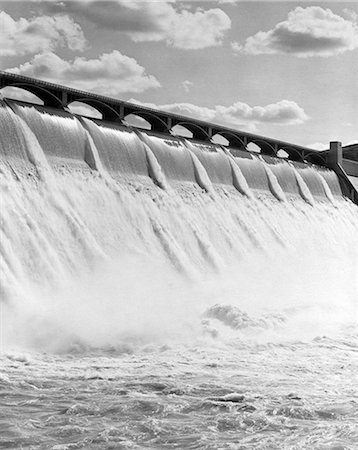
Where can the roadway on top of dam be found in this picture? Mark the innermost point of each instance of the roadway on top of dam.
(112, 109)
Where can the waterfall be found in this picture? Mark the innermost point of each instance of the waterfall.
(104, 227)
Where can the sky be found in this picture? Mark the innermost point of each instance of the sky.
(287, 70)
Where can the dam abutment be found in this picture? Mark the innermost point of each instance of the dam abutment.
(346, 170)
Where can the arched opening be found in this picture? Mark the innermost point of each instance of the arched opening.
(282, 154)
(315, 158)
(84, 110)
(293, 153)
(147, 120)
(196, 130)
(219, 139)
(16, 93)
(48, 97)
(107, 111)
(136, 121)
(254, 148)
(230, 139)
(266, 148)
(179, 130)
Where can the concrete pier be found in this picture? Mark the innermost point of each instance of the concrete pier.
(346, 170)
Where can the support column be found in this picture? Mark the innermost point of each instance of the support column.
(64, 99)
(121, 112)
(334, 157)
(158, 125)
(200, 135)
(169, 124)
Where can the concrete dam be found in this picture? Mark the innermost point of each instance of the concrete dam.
(111, 232)
(162, 291)
(123, 152)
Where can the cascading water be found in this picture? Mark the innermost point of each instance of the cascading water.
(161, 293)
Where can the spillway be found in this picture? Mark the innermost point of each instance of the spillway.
(127, 254)
(77, 192)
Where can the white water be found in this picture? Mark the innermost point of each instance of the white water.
(144, 312)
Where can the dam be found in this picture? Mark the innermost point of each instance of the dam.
(168, 291)
(178, 156)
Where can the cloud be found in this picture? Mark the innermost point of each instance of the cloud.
(187, 85)
(239, 114)
(350, 14)
(197, 30)
(318, 146)
(43, 33)
(311, 31)
(145, 21)
(110, 74)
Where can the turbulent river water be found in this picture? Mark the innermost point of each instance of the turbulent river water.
(162, 294)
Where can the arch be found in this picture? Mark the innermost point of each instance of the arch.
(156, 122)
(46, 96)
(198, 132)
(233, 139)
(293, 153)
(315, 158)
(265, 146)
(84, 109)
(108, 113)
(23, 95)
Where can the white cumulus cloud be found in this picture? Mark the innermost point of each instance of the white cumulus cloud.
(239, 114)
(38, 34)
(110, 74)
(168, 21)
(199, 29)
(311, 31)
